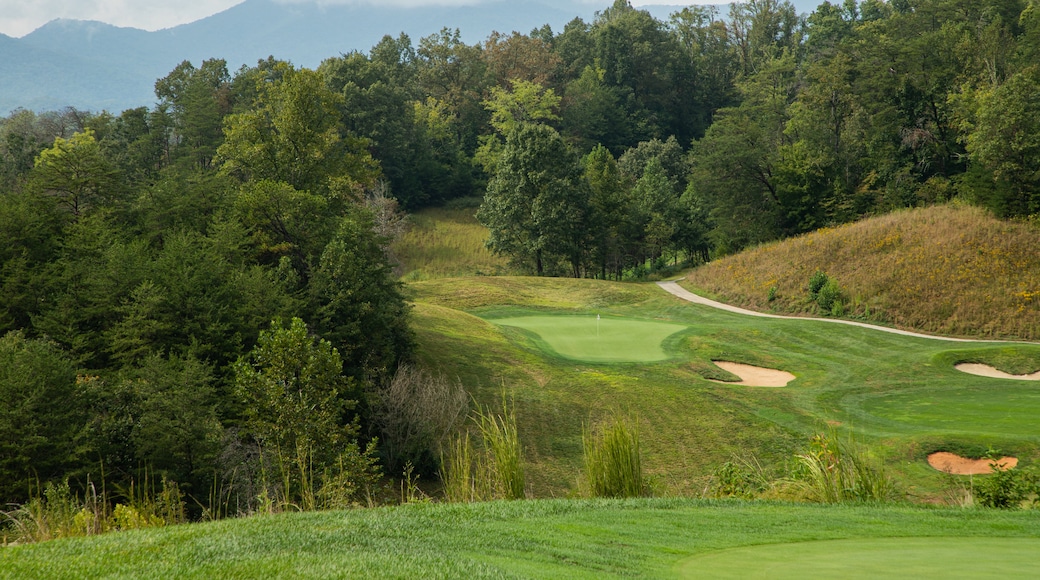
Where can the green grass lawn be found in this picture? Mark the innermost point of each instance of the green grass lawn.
(598, 339)
(558, 539)
(942, 557)
(900, 395)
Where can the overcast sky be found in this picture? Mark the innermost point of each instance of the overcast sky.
(20, 17)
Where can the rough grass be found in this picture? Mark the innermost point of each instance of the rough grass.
(442, 243)
(544, 539)
(948, 270)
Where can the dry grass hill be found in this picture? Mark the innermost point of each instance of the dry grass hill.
(946, 269)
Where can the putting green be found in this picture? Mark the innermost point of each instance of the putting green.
(1007, 411)
(602, 339)
(874, 558)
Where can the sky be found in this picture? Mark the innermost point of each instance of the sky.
(20, 17)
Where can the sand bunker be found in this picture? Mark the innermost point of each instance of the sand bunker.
(754, 376)
(988, 371)
(951, 463)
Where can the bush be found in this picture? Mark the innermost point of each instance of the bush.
(415, 412)
(744, 479)
(830, 296)
(816, 283)
(1006, 489)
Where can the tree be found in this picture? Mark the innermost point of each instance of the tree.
(42, 417)
(295, 400)
(525, 103)
(176, 431)
(611, 212)
(293, 135)
(357, 303)
(536, 206)
(76, 173)
(198, 99)
(1005, 140)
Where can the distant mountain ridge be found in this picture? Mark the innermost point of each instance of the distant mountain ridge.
(93, 66)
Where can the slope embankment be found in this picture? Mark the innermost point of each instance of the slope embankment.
(945, 270)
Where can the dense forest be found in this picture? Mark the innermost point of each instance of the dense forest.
(201, 292)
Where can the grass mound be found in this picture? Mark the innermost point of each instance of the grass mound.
(943, 269)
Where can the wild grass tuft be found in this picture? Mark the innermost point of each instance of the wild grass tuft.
(836, 471)
(58, 512)
(613, 467)
(497, 471)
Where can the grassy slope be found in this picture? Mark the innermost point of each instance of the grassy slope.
(446, 242)
(858, 378)
(548, 539)
(944, 269)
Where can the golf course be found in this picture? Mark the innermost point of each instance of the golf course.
(567, 353)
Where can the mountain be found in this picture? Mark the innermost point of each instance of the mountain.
(93, 66)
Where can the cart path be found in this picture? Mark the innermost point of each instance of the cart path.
(675, 289)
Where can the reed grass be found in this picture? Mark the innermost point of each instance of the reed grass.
(839, 471)
(496, 471)
(613, 467)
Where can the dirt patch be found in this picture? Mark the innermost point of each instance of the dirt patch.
(754, 376)
(988, 371)
(951, 463)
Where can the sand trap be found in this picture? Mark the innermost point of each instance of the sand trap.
(957, 465)
(988, 371)
(754, 376)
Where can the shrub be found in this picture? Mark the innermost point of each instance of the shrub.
(1006, 489)
(415, 412)
(743, 479)
(612, 463)
(816, 283)
(829, 297)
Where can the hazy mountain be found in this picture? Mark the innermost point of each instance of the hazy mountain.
(92, 65)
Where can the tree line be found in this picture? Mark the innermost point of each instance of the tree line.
(199, 287)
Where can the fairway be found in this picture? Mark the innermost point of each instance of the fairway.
(993, 410)
(601, 339)
(874, 558)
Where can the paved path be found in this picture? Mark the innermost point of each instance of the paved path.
(675, 289)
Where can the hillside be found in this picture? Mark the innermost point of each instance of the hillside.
(945, 270)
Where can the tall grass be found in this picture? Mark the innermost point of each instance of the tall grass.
(943, 269)
(58, 512)
(612, 461)
(446, 243)
(494, 472)
(836, 471)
